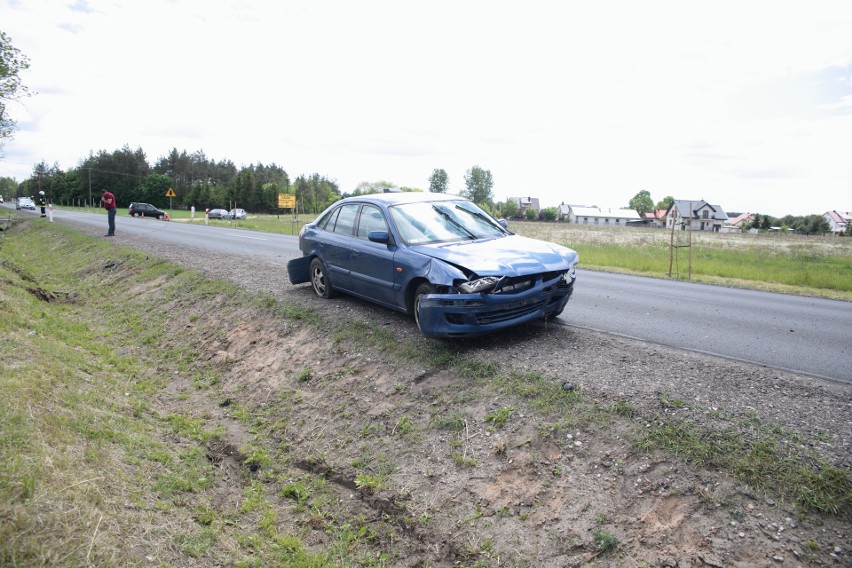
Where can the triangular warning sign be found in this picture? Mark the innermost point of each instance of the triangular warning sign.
(170, 193)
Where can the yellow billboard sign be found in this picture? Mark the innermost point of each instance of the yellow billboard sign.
(286, 201)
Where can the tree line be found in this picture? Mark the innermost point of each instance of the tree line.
(195, 179)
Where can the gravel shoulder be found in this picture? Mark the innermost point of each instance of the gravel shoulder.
(539, 495)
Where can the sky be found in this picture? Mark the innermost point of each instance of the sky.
(746, 104)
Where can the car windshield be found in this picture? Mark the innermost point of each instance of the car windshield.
(442, 222)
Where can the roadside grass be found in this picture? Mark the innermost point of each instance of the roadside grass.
(91, 466)
(91, 459)
(757, 456)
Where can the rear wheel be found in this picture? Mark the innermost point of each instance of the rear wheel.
(135, 214)
(422, 290)
(319, 279)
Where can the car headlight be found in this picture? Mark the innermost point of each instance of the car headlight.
(479, 285)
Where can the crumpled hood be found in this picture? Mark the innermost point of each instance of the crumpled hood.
(508, 256)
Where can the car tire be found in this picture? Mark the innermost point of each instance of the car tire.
(160, 217)
(422, 290)
(135, 214)
(320, 281)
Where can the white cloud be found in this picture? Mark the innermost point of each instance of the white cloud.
(743, 104)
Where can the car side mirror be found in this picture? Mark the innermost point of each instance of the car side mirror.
(379, 237)
(503, 223)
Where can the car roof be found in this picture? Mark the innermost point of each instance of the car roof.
(396, 198)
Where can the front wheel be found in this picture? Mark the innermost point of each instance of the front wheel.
(319, 279)
(135, 214)
(422, 290)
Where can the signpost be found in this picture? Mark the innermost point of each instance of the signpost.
(288, 201)
(170, 193)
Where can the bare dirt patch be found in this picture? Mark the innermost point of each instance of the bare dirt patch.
(542, 490)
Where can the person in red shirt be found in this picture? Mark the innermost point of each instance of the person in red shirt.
(108, 202)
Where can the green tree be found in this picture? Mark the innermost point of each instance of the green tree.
(666, 203)
(549, 214)
(315, 193)
(530, 214)
(642, 203)
(12, 63)
(153, 190)
(478, 184)
(368, 187)
(508, 208)
(439, 181)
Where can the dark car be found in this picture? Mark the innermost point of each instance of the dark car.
(217, 214)
(145, 210)
(458, 270)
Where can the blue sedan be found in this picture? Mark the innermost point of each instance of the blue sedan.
(439, 257)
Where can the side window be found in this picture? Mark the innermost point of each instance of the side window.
(345, 222)
(328, 220)
(371, 220)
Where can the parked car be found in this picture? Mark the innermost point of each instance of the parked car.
(25, 203)
(145, 210)
(237, 214)
(217, 214)
(455, 268)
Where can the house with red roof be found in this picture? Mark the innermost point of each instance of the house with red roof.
(838, 221)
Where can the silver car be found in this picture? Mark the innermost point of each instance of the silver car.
(237, 214)
(25, 203)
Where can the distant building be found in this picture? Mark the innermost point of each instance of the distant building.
(838, 221)
(695, 215)
(603, 216)
(525, 203)
(742, 221)
(656, 218)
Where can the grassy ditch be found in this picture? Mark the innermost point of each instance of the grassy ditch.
(120, 444)
(98, 466)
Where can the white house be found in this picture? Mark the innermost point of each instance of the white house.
(838, 220)
(603, 216)
(695, 215)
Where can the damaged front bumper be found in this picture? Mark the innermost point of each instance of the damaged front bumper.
(458, 315)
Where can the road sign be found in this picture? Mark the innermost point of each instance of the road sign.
(170, 193)
(286, 201)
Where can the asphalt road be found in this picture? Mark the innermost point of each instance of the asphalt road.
(810, 336)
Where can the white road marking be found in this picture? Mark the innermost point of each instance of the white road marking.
(246, 237)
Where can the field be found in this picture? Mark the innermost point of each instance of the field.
(807, 265)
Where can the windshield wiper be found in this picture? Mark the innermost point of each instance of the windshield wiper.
(449, 218)
(487, 219)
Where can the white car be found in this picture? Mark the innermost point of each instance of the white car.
(25, 203)
(237, 214)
